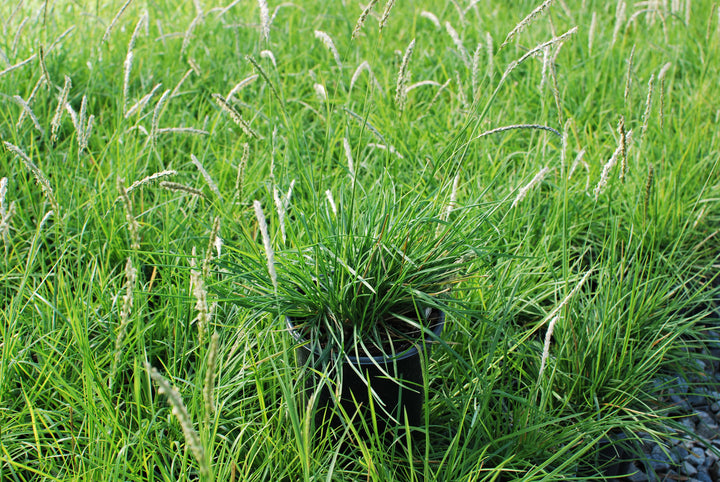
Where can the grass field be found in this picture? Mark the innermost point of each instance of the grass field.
(136, 134)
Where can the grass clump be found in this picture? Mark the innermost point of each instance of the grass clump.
(127, 135)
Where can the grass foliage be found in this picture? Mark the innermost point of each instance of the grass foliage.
(137, 135)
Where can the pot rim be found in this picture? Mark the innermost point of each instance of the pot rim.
(436, 329)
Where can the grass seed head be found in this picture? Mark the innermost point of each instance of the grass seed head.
(331, 201)
(267, 54)
(522, 193)
(234, 115)
(265, 77)
(269, 253)
(320, 92)
(127, 66)
(490, 54)
(40, 177)
(210, 375)
(109, 28)
(182, 80)
(23, 113)
(402, 79)
(349, 157)
(559, 40)
(328, 42)
(622, 145)
(125, 311)
(648, 186)
(453, 200)
(177, 187)
(461, 92)
(604, 177)
(206, 176)
(150, 179)
(282, 203)
(247, 80)
(240, 178)
(189, 32)
(619, 20)
(6, 212)
(142, 21)
(628, 76)
(602, 183)
(157, 113)
(28, 110)
(43, 67)
(458, 44)
(364, 65)
(3, 193)
(133, 226)
(386, 13)
(361, 19)
(140, 104)
(192, 439)
(545, 68)
(197, 286)
(546, 345)
(264, 20)
(522, 25)
(432, 17)
(18, 65)
(87, 132)
(194, 66)
(648, 106)
(576, 163)
(475, 72)
(214, 242)
(661, 79)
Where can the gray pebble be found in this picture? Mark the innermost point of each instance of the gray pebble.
(707, 427)
(688, 423)
(696, 456)
(681, 384)
(689, 469)
(679, 453)
(710, 458)
(681, 403)
(659, 459)
(703, 476)
(638, 476)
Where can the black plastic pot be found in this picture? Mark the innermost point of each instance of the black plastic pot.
(337, 380)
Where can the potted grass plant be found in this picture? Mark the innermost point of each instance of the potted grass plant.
(364, 285)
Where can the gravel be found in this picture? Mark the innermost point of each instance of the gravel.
(691, 457)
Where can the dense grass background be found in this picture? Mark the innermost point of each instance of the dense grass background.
(628, 272)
